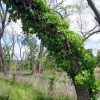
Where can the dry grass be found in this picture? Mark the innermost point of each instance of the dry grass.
(97, 73)
(62, 84)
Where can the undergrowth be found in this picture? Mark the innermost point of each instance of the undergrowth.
(10, 90)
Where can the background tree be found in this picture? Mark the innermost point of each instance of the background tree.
(98, 58)
(40, 58)
(94, 57)
(90, 52)
(31, 42)
(49, 62)
(3, 16)
(21, 54)
(7, 56)
(9, 43)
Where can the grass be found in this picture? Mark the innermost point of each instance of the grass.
(63, 86)
(97, 74)
(29, 87)
(10, 90)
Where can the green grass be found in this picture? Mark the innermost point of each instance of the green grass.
(18, 91)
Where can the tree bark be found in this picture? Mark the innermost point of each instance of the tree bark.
(3, 61)
(81, 91)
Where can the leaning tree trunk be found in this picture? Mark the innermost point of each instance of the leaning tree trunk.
(3, 61)
(81, 91)
(55, 34)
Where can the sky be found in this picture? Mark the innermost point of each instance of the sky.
(93, 42)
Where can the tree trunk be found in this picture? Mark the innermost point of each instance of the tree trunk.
(21, 66)
(3, 15)
(3, 61)
(39, 69)
(81, 91)
(94, 9)
(32, 62)
(33, 67)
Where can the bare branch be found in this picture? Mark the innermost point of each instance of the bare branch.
(59, 14)
(1, 7)
(85, 38)
(97, 14)
(91, 30)
(58, 4)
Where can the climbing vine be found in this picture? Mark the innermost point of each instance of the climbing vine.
(65, 45)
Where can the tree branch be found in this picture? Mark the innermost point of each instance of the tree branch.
(97, 14)
(85, 38)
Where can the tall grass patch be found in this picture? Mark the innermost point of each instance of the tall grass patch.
(10, 90)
